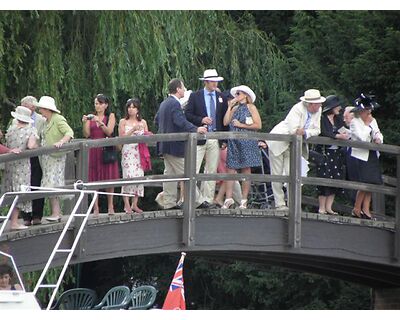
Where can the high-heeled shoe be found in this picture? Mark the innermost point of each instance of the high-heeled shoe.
(228, 203)
(243, 204)
(355, 215)
(366, 216)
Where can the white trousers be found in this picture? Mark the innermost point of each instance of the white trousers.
(280, 165)
(174, 165)
(210, 152)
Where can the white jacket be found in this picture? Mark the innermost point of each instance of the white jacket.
(361, 132)
(295, 119)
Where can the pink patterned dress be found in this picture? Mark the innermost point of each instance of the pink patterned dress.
(97, 169)
(131, 167)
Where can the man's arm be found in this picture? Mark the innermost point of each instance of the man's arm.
(190, 112)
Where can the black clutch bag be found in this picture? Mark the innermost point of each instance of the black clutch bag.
(316, 157)
(109, 154)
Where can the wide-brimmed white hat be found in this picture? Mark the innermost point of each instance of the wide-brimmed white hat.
(246, 90)
(312, 96)
(211, 75)
(22, 114)
(47, 102)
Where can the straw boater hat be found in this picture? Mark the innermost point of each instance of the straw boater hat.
(330, 103)
(211, 75)
(47, 102)
(312, 96)
(22, 114)
(246, 90)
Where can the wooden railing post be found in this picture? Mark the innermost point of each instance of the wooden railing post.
(189, 207)
(295, 192)
(397, 214)
(82, 173)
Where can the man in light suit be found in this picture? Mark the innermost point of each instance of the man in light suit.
(303, 119)
(207, 107)
(171, 119)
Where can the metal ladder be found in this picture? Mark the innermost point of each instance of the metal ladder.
(56, 249)
(69, 251)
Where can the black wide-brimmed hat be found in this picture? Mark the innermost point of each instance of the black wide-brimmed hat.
(365, 102)
(330, 103)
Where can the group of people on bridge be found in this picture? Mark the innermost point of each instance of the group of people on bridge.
(205, 110)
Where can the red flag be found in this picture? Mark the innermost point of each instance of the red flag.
(175, 299)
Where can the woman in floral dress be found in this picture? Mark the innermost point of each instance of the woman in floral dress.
(132, 124)
(18, 173)
(55, 133)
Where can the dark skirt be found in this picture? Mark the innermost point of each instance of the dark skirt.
(367, 171)
(332, 168)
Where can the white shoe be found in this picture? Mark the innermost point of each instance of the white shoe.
(228, 203)
(282, 208)
(243, 204)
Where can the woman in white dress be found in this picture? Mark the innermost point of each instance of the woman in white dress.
(23, 136)
(132, 124)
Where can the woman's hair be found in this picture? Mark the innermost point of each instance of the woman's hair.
(136, 103)
(6, 269)
(104, 99)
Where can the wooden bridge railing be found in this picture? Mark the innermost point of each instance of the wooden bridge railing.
(190, 178)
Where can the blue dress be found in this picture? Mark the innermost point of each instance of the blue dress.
(242, 153)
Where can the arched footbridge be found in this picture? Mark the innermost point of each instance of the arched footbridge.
(357, 250)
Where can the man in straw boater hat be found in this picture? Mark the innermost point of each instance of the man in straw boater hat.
(303, 119)
(207, 107)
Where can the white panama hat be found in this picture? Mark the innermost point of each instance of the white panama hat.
(47, 102)
(312, 96)
(22, 114)
(246, 90)
(211, 75)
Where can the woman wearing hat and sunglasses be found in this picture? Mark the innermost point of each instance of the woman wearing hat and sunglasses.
(23, 136)
(242, 115)
(365, 162)
(332, 125)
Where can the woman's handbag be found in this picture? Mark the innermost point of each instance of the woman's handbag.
(316, 158)
(109, 154)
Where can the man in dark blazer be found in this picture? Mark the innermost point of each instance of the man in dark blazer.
(207, 107)
(171, 119)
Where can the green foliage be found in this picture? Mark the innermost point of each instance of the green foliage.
(240, 285)
(74, 55)
(43, 295)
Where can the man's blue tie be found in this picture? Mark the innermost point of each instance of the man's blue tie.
(308, 121)
(213, 126)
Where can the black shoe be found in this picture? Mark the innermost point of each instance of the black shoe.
(206, 205)
(27, 223)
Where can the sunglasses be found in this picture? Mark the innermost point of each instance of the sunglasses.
(238, 93)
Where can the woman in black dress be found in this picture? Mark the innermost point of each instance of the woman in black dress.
(332, 126)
